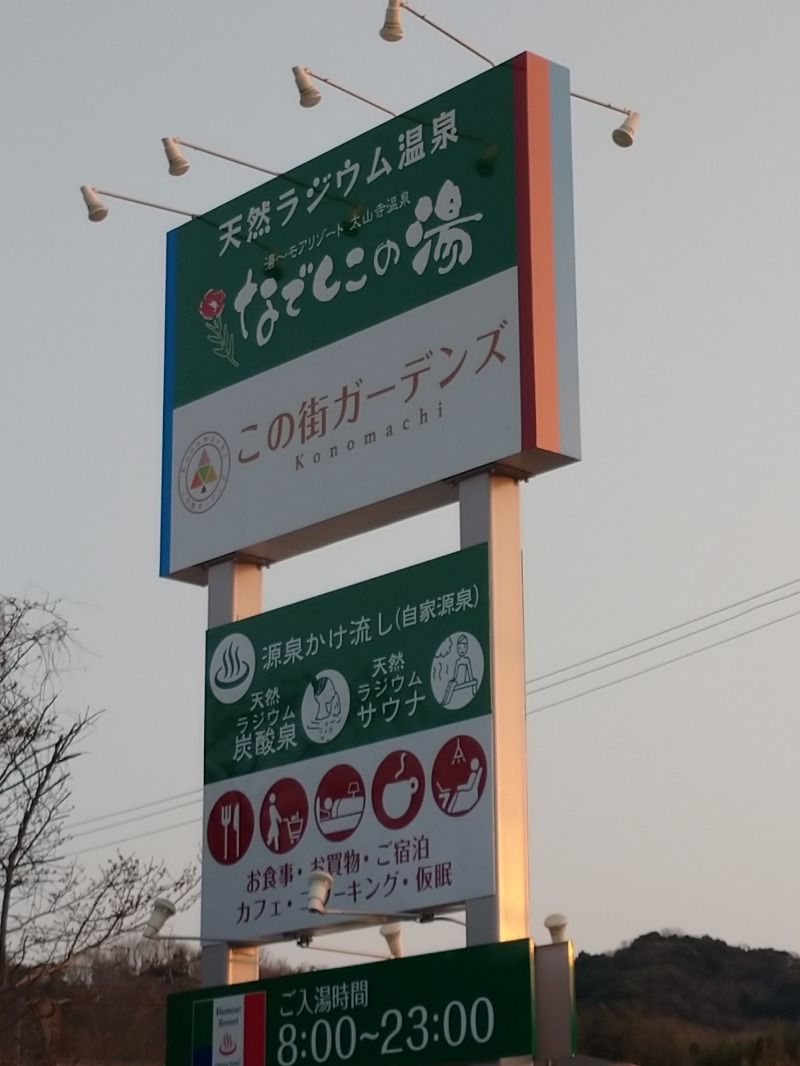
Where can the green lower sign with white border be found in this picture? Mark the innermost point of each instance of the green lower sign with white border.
(472, 1004)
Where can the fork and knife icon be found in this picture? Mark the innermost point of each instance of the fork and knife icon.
(229, 817)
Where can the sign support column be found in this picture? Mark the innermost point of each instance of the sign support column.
(489, 513)
(234, 591)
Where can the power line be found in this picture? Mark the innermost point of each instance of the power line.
(532, 681)
(666, 662)
(136, 818)
(137, 836)
(536, 710)
(663, 632)
(139, 807)
(663, 644)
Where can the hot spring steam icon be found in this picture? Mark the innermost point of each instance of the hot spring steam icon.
(232, 668)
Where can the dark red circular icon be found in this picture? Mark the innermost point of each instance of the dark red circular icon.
(340, 802)
(398, 788)
(458, 777)
(284, 815)
(230, 828)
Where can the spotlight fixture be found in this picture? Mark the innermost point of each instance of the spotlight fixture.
(556, 925)
(391, 933)
(163, 909)
(178, 164)
(392, 29)
(320, 884)
(623, 135)
(310, 95)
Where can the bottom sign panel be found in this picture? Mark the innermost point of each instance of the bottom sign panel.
(473, 1004)
(404, 824)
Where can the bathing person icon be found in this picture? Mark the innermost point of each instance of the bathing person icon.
(329, 705)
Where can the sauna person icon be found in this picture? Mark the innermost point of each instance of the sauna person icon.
(462, 678)
(457, 670)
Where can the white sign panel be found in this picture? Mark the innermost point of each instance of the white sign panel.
(447, 401)
(401, 825)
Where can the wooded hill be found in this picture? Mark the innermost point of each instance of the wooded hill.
(673, 1000)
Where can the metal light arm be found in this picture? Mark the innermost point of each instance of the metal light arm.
(98, 210)
(228, 158)
(350, 92)
(370, 915)
(189, 939)
(144, 203)
(602, 103)
(447, 33)
(307, 945)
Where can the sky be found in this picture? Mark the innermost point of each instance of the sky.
(661, 769)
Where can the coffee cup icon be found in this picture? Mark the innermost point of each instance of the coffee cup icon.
(398, 789)
(397, 796)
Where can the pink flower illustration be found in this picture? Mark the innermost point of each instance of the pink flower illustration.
(220, 337)
(212, 304)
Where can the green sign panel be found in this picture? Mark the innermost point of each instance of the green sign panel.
(470, 1005)
(414, 209)
(401, 654)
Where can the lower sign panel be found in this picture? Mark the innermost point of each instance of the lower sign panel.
(473, 1004)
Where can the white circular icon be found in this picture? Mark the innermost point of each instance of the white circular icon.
(232, 668)
(326, 705)
(204, 472)
(457, 670)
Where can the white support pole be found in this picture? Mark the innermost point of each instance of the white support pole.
(556, 1024)
(234, 591)
(489, 513)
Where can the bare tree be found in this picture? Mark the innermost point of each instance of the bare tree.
(51, 909)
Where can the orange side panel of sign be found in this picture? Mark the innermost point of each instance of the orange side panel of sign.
(545, 256)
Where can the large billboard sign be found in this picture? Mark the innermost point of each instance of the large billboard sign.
(351, 733)
(471, 1005)
(345, 340)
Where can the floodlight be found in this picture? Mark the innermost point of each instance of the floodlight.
(391, 933)
(163, 909)
(392, 29)
(95, 206)
(310, 95)
(556, 924)
(178, 164)
(320, 884)
(623, 135)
